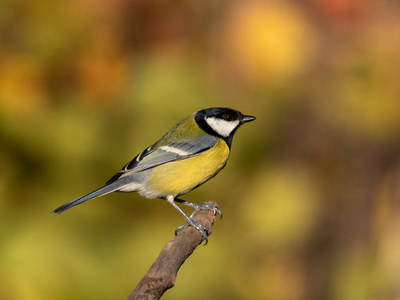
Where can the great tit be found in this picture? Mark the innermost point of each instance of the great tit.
(188, 155)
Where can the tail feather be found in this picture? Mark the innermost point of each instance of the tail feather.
(94, 194)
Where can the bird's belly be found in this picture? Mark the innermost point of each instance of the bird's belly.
(179, 177)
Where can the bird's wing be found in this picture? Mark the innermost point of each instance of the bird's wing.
(157, 154)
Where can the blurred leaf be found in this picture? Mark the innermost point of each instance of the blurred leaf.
(269, 42)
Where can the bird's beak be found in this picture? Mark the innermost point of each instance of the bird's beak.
(246, 119)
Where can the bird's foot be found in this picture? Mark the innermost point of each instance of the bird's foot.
(198, 226)
(214, 208)
(198, 207)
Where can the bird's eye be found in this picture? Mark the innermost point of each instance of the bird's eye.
(227, 117)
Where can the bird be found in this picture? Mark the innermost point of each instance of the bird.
(187, 156)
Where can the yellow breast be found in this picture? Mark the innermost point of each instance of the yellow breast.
(179, 177)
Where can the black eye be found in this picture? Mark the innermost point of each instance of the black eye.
(227, 118)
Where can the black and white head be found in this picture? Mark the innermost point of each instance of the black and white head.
(221, 121)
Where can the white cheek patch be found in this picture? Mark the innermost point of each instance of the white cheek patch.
(222, 127)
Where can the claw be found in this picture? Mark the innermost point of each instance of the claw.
(198, 207)
(196, 225)
(214, 208)
(179, 228)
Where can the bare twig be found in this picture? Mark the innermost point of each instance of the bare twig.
(162, 273)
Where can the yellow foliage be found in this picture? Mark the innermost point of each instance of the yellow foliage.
(22, 88)
(268, 41)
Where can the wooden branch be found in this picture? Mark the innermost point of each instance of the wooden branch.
(162, 273)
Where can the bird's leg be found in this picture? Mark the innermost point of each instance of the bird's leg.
(198, 226)
(198, 207)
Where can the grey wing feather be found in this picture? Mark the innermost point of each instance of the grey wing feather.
(157, 155)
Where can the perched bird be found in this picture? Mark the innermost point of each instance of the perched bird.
(188, 155)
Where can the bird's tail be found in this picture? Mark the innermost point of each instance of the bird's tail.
(115, 186)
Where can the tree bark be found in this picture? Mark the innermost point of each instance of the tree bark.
(162, 273)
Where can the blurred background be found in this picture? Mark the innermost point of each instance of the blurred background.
(310, 195)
